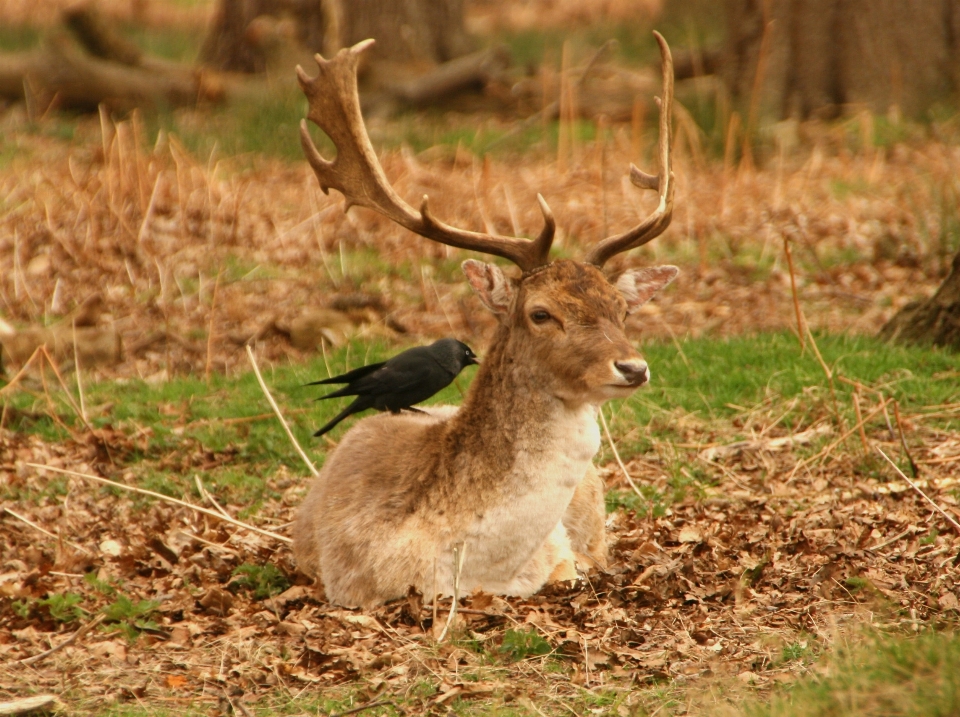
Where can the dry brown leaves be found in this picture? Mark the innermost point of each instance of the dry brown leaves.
(766, 562)
(174, 246)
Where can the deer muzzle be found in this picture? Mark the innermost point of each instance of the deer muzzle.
(635, 372)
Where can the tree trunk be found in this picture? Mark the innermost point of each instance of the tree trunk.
(431, 31)
(934, 321)
(814, 57)
(413, 31)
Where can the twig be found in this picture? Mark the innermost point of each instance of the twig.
(209, 498)
(69, 641)
(20, 374)
(863, 433)
(616, 454)
(793, 290)
(44, 531)
(894, 539)
(927, 498)
(165, 498)
(276, 410)
(76, 365)
(903, 440)
(213, 312)
(368, 706)
(459, 552)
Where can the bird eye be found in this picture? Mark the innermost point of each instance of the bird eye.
(539, 316)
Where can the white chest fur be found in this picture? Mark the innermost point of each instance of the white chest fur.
(551, 460)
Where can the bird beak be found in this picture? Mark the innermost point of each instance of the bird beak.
(474, 360)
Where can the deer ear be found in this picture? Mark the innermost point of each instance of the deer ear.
(638, 286)
(493, 288)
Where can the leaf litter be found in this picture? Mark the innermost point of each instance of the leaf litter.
(756, 568)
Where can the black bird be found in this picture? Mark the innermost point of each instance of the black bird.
(408, 378)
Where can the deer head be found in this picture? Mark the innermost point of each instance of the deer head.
(549, 307)
(509, 476)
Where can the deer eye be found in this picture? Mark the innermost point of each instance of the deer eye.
(539, 316)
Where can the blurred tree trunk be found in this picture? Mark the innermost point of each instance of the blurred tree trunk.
(934, 321)
(413, 31)
(812, 57)
(416, 30)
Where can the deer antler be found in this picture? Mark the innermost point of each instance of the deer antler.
(356, 173)
(655, 224)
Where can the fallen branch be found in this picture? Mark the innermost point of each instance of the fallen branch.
(28, 705)
(165, 498)
(62, 74)
(66, 643)
(454, 76)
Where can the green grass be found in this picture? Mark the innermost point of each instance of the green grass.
(722, 378)
(187, 427)
(880, 676)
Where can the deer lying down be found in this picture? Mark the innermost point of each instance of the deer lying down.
(508, 478)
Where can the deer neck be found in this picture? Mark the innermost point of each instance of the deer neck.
(510, 423)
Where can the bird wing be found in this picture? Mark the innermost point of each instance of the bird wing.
(411, 386)
(350, 376)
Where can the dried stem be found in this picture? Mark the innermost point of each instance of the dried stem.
(165, 498)
(616, 454)
(46, 532)
(459, 553)
(276, 410)
(66, 643)
(927, 498)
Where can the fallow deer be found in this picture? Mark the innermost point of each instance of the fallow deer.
(508, 478)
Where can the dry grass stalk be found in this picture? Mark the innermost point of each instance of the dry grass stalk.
(917, 488)
(459, 554)
(801, 327)
(276, 410)
(165, 498)
(76, 365)
(46, 532)
(863, 434)
(616, 455)
(826, 452)
(903, 441)
(213, 311)
(205, 494)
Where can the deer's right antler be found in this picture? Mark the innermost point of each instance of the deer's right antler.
(356, 173)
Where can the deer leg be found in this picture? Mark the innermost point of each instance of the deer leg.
(585, 522)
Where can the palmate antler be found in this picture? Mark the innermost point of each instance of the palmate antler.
(356, 173)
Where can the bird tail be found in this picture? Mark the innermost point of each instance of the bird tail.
(360, 404)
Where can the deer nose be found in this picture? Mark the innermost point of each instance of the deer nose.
(634, 371)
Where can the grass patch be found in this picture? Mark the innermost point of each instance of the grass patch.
(880, 676)
(722, 378)
(224, 432)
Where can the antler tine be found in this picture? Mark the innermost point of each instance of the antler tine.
(655, 224)
(356, 173)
